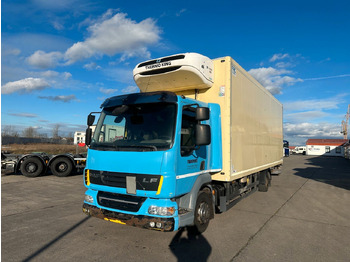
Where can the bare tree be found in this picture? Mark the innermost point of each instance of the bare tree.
(42, 135)
(55, 131)
(30, 132)
(70, 138)
(9, 130)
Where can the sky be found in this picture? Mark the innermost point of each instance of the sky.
(61, 59)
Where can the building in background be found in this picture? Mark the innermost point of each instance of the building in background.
(79, 136)
(326, 147)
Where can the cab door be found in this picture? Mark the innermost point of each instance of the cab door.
(192, 159)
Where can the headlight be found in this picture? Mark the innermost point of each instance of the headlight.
(89, 199)
(161, 211)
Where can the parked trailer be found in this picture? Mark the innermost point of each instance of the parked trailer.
(36, 164)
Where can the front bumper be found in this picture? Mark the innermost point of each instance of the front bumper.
(167, 224)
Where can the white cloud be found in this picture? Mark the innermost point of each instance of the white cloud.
(304, 116)
(78, 51)
(326, 77)
(298, 133)
(108, 91)
(27, 115)
(181, 12)
(315, 104)
(278, 57)
(57, 25)
(115, 35)
(284, 64)
(57, 5)
(11, 51)
(109, 35)
(141, 52)
(50, 74)
(64, 99)
(67, 75)
(44, 60)
(92, 66)
(54, 75)
(26, 85)
(130, 90)
(273, 79)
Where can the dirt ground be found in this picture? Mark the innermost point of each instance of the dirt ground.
(47, 148)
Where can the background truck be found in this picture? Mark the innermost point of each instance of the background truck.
(201, 135)
(36, 164)
(286, 150)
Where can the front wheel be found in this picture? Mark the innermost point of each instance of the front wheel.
(203, 212)
(61, 167)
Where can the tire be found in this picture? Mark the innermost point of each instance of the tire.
(61, 167)
(264, 181)
(203, 212)
(269, 178)
(32, 167)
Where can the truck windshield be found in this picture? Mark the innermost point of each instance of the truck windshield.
(142, 127)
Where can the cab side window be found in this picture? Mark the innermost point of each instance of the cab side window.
(188, 131)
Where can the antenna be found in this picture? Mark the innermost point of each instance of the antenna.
(345, 123)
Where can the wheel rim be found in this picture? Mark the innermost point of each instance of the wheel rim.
(31, 167)
(203, 213)
(62, 167)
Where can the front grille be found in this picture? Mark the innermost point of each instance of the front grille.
(165, 59)
(120, 202)
(143, 181)
(115, 180)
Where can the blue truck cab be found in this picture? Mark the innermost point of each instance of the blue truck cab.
(151, 156)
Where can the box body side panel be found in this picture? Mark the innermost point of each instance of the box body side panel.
(256, 125)
(251, 119)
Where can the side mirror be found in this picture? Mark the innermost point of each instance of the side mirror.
(88, 136)
(90, 120)
(203, 135)
(202, 113)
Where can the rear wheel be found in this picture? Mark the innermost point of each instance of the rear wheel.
(32, 167)
(61, 167)
(264, 181)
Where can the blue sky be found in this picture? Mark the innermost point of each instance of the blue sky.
(61, 59)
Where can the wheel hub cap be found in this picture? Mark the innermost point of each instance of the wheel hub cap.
(203, 213)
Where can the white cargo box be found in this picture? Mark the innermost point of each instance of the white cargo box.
(175, 73)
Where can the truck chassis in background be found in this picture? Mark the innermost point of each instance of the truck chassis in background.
(36, 164)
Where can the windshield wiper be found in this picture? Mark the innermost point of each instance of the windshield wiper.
(149, 146)
(107, 147)
(154, 148)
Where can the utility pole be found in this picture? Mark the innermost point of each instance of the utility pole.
(344, 124)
